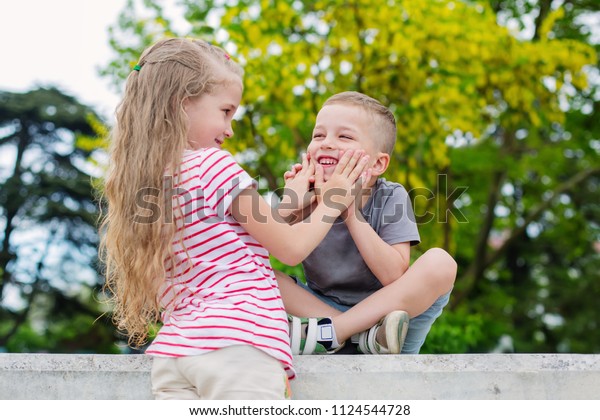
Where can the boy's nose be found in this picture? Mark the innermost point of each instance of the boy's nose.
(228, 132)
(327, 143)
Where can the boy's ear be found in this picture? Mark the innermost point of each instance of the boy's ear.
(381, 164)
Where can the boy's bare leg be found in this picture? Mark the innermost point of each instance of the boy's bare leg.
(300, 302)
(429, 277)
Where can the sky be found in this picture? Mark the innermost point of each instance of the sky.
(61, 43)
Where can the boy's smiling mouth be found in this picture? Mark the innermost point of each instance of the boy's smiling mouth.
(327, 161)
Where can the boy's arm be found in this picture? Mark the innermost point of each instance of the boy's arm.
(387, 262)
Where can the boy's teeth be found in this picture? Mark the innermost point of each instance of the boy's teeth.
(327, 162)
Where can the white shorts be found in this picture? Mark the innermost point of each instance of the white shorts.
(231, 373)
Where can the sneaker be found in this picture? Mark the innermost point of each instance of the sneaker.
(312, 336)
(395, 327)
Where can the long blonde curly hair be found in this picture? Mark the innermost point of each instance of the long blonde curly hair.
(146, 148)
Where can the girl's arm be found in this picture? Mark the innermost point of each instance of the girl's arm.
(291, 244)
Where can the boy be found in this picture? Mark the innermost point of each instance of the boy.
(359, 283)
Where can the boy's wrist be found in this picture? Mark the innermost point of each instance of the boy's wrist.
(354, 217)
(330, 211)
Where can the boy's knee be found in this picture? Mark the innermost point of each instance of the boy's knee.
(442, 263)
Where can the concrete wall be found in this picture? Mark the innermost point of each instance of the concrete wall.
(335, 377)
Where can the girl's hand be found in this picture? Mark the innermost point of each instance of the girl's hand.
(298, 194)
(291, 174)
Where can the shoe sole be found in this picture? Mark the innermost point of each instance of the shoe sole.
(394, 337)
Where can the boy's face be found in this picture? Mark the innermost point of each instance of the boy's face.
(341, 127)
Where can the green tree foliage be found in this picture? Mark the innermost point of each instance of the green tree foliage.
(543, 274)
(48, 225)
(496, 140)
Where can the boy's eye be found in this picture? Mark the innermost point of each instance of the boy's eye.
(344, 136)
(318, 136)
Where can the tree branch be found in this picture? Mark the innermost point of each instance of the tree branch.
(539, 209)
(21, 317)
(545, 6)
(475, 272)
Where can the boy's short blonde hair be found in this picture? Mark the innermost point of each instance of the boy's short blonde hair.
(384, 124)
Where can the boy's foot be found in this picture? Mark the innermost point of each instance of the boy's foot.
(385, 337)
(312, 336)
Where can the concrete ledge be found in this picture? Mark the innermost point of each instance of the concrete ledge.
(346, 377)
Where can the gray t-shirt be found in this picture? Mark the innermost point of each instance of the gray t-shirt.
(337, 270)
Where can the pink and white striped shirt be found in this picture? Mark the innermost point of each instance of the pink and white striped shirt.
(221, 290)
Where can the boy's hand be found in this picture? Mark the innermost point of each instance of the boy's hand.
(350, 214)
(340, 190)
(297, 194)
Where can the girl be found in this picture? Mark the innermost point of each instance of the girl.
(186, 238)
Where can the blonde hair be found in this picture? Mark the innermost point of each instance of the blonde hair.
(385, 123)
(147, 145)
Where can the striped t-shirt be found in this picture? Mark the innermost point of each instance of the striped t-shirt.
(221, 290)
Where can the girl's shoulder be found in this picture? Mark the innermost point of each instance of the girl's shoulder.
(194, 157)
(204, 152)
